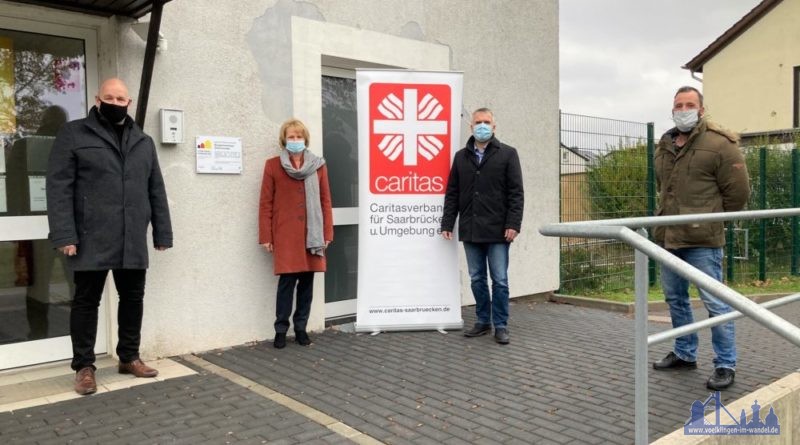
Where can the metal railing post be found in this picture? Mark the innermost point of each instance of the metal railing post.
(714, 287)
(651, 187)
(621, 229)
(642, 286)
(729, 250)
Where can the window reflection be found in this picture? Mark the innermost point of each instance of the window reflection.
(42, 86)
(340, 278)
(35, 292)
(340, 149)
(340, 139)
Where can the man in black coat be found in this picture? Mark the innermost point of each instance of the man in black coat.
(485, 192)
(104, 186)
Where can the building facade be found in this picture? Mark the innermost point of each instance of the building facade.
(239, 69)
(751, 74)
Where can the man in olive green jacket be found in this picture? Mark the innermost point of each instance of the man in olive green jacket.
(699, 169)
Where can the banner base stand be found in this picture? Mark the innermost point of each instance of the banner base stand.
(360, 327)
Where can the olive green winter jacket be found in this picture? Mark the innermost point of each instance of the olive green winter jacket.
(707, 175)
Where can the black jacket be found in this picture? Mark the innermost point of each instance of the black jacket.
(487, 197)
(102, 194)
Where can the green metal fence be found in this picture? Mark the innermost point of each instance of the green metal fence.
(607, 172)
(767, 249)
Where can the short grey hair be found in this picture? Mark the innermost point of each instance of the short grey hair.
(688, 89)
(483, 110)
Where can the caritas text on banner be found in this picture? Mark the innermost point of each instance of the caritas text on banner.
(408, 133)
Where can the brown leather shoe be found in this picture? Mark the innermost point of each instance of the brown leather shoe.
(137, 368)
(85, 382)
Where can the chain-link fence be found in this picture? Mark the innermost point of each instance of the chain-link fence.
(767, 250)
(604, 174)
(607, 172)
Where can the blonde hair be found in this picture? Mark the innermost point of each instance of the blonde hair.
(292, 123)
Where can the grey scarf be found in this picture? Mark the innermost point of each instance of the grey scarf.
(315, 241)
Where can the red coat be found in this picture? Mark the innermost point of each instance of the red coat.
(282, 218)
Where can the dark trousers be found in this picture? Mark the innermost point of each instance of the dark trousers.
(83, 318)
(304, 281)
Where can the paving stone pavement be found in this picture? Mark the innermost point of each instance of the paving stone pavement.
(566, 378)
(198, 409)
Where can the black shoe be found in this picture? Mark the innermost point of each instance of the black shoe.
(280, 340)
(501, 336)
(671, 361)
(478, 330)
(302, 338)
(721, 379)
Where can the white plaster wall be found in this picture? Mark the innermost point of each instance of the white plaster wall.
(215, 288)
(748, 85)
(508, 51)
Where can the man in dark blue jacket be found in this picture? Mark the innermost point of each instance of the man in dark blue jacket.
(485, 192)
(104, 187)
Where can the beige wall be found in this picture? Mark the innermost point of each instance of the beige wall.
(574, 197)
(748, 85)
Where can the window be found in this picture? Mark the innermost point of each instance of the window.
(796, 97)
(46, 72)
(340, 138)
(42, 85)
(340, 150)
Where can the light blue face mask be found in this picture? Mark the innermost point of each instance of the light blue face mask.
(686, 120)
(482, 132)
(296, 146)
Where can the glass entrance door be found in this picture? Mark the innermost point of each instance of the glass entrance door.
(43, 83)
(340, 149)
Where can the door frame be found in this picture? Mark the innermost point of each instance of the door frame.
(320, 48)
(18, 228)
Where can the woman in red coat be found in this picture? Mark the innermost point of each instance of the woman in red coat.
(295, 225)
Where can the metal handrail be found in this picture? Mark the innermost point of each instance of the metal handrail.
(671, 220)
(670, 334)
(621, 229)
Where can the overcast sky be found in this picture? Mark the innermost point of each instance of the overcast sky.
(622, 59)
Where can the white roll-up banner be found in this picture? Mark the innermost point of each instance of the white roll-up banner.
(408, 132)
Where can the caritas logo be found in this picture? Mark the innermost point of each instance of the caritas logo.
(409, 138)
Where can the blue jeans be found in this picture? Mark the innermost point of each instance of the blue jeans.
(489, 309)
(676, 292)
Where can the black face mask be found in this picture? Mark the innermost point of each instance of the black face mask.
(114, 113)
